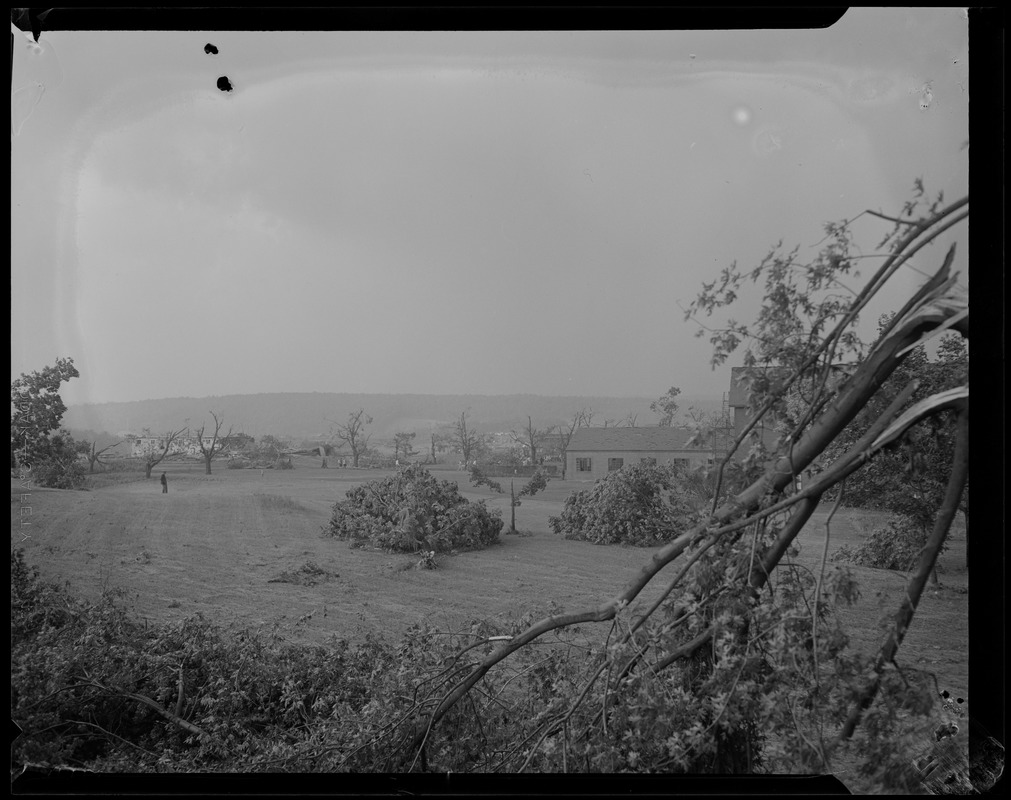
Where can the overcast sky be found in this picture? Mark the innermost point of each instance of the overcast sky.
(481, 213)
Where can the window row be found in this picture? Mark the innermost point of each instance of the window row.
(613, 464)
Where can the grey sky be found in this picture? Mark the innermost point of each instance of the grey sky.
(446, 212)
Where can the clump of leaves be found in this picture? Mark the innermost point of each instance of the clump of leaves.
(642, 504)
(412, 511)
(478, 478)
(309, 574)
(896, 545)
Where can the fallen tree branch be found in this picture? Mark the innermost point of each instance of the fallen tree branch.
(936, 305)
(914, 589)
(173, 718)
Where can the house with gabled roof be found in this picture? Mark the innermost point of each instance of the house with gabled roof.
(594, 452)
(768, 428)
(740, 409)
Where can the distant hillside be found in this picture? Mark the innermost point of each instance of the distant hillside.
(307, 415)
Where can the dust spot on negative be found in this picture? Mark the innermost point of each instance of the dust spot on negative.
(210, 49)
(741, 115)
(224, 84)
(768, 140)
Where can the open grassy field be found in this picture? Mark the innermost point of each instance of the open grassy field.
(245, 550)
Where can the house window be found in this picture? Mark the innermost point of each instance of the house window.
(648, 460)
(584, 464)
(614, 463)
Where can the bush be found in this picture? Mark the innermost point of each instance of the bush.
(642, 504)
(238, 463)
(897, 545)
(77, 669)
(93, 689)
(55, 462)
(412, 511)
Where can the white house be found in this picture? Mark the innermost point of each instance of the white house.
(594, 452)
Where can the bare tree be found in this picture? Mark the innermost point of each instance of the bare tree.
(352, 433)
(630, 420)
(467, 441)
(154, 459)
(437, 443)
(530, 437)
(217, 443)
(580, 419)
(95, 456)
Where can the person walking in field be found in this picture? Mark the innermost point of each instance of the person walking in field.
(164, 483)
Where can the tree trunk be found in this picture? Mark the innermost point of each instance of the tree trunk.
(207, 464)
(512, 497)
(147, 469)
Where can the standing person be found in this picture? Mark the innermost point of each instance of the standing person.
(164, 483)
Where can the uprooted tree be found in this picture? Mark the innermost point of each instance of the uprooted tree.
(412, 511)
(740, 641)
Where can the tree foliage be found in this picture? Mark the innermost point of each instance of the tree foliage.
(753, 641)
(412, 511)
(737, 659)
(665, 407)
(403, 443)
(478, 478)
(641, 504)
(39, 448)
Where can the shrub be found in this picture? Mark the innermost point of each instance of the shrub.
(55, 463)
(894, 546)
(642, 504)
(78, 669)
(412, 511)
(238, 463)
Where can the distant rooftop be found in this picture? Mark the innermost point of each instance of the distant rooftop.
(651, 439)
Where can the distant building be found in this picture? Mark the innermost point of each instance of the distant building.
(740, 410)
(594, 452)
(146, 445)
(141, 446)
(737, 400)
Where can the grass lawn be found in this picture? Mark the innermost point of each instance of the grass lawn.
(244, 549)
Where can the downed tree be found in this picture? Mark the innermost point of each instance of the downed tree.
(750, 648)
(939, 304)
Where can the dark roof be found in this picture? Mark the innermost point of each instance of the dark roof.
(652, 439)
